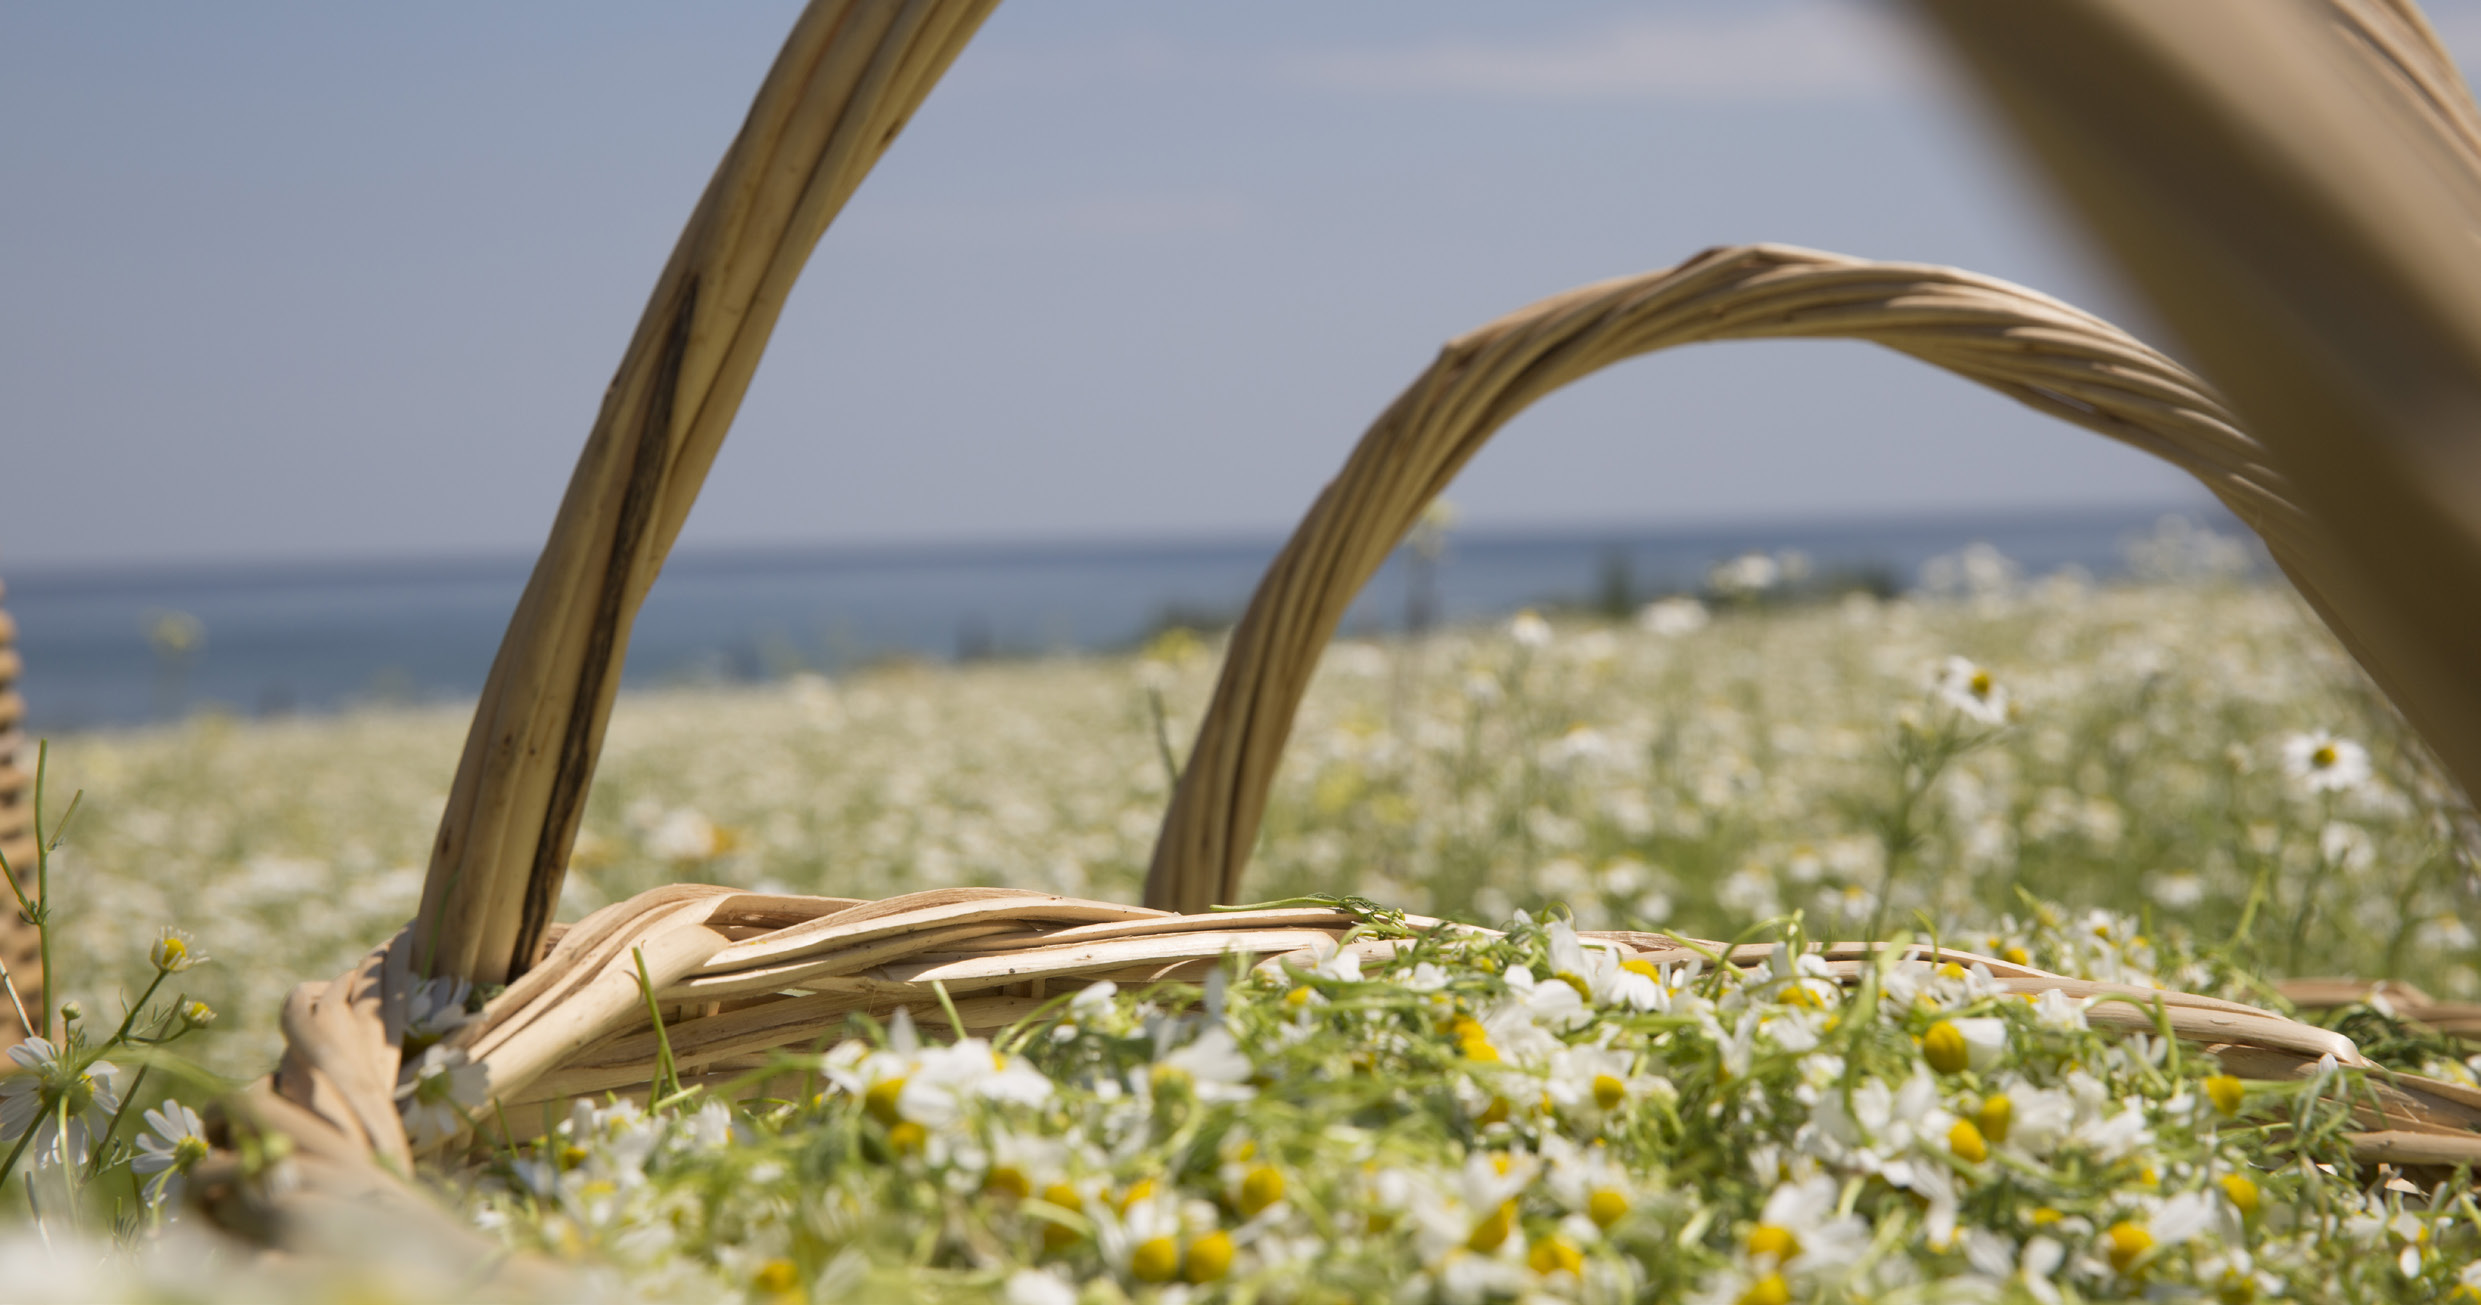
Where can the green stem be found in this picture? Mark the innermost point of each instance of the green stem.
(94, 1166)
(121, 1034)
(1163, 736)
(666, 1070)
(43, 892)
(956, 1022)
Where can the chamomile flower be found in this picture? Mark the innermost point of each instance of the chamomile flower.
(435, 1009)
(174, 1142)
(438, 1092)
(2321, 762)
(1971, 690)
(174, 951)
(44, 1089)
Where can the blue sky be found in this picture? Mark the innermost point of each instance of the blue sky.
(322, 281)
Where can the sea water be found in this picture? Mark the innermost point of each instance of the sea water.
(134, 644)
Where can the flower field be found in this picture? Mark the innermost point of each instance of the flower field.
(2180, 782)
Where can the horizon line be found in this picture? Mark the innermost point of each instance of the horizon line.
(1068, 547)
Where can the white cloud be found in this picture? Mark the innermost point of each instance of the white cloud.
(1806, 49)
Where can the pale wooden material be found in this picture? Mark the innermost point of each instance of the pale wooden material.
(2296, 185)
(2456, 1018)
(21, 948)
(2026, 345)
(577, 1024)
(848, 78)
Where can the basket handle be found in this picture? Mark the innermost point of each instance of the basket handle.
(847, 80)
(2026, 345)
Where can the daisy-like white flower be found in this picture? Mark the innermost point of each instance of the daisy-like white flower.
(2325, 763)
(1672, 617)
(1799, 1233)
(1214, 1067)
(1039, 1287)
(1971, 690)
(174, 1142)
(1529, 630)
(435, 1010)
(173, 952)
(1341, 964)
(1586, 1180)
(945, 1078)
(1604, 978)
(1141, 1240)
(35, 1094)
(1474, 1210)
(1591, 1078)
(437, 1092)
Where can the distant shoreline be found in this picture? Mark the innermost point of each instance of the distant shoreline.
(277, 638)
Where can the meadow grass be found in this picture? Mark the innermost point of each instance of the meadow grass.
(2184, 782)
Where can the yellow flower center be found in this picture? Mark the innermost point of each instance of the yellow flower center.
(2242, 1192)
(1609, 1092)
(1154, 1260)
(1965, 1140)
(908, 1138)
(1644, 967)
(2128, 1242)
(1943, 1046)
(1138, 1191)
(1260, 1188)
(2325, 756)
(1555, 1254)
(775, 1278)
(1209, 1258)
(880, 1100)
(1606, 1206)
(1769, 1290)
(1008, 1180)
(1583, 989)
(1493, 1230)
(1060, 1236)
(1774, 1239)
(1996, 1116)
(2226, 1092)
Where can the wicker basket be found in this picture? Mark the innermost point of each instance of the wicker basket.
(740, 975)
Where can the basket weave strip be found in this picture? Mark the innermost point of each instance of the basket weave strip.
(2022, 343)
(579, 1025)
(2460, 1019)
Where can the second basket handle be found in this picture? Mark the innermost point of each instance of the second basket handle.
(2024, 344)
